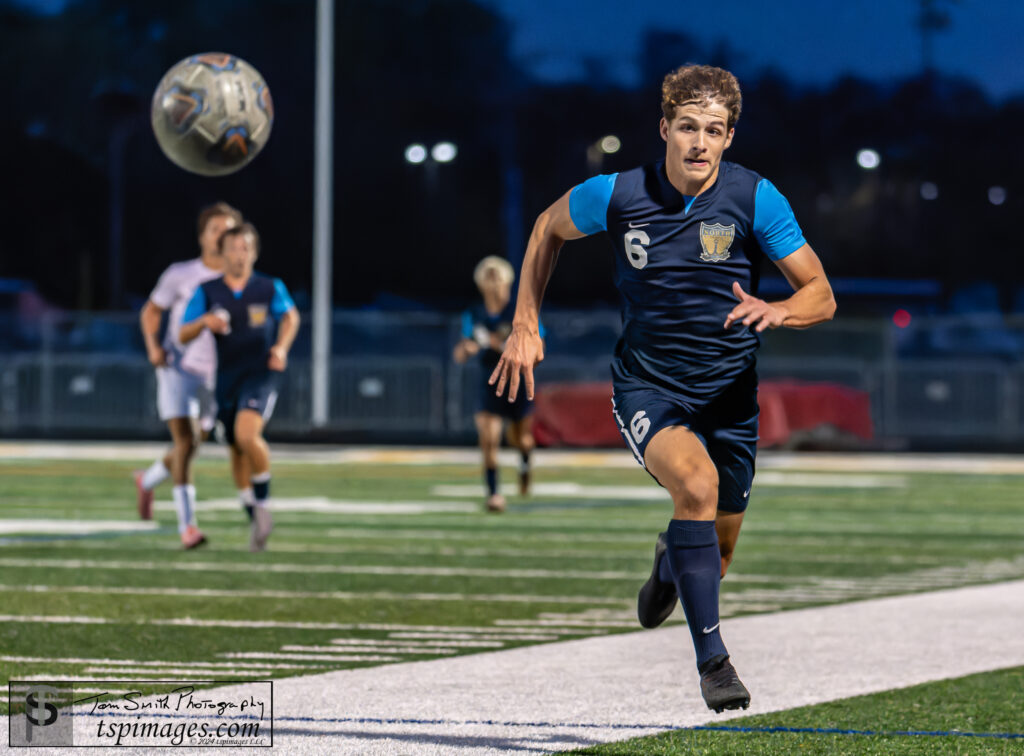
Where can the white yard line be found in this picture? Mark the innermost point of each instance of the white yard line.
(74, 527)
(982, 464)
(156, 665)
(333, 569)
(504, 598)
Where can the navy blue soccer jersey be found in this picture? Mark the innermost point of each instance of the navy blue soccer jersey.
(676, 258)
(252, 316)
(478, 324)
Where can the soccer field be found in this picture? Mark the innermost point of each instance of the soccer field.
(380, 558)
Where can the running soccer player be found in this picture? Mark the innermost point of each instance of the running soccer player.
(184, 374)
(484, 330)
(689, 234)
(241, 309)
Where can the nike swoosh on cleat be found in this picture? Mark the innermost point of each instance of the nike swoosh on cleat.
(711, 629)
(638, 225)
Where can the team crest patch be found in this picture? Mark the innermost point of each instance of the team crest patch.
(716, 240)
(257, 315)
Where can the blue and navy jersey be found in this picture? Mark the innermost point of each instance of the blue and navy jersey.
(253, 315)
(676, 258)
(478, 324)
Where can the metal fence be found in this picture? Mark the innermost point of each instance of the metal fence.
(938, 381)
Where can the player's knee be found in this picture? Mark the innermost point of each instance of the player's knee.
(693, 486)
(186, 445)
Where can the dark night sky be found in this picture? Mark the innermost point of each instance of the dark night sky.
(810, 41)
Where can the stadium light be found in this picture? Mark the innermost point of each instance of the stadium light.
(868, 159)
(415, 154)
(610, 144)
(929, 191)
(444, 152)
(996, 195)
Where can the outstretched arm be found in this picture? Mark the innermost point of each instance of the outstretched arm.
(286, 332)
(524, 347)
(149, 323)
(812, 301)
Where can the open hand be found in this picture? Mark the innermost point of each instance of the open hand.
(523, 350)
(752, 311)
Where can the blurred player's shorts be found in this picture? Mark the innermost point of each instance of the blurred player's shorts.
(182, 394)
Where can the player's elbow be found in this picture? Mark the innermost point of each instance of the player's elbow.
(830, 305)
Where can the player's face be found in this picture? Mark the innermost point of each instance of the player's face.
(239, 255)
(494, 287)
(696, 138)
(216, 226)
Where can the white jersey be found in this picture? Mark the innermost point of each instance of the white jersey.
(173, 292)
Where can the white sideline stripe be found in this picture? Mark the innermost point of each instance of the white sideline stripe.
(313, 657)
(74, 527)
(339, 569)
(445, 535)
(339, 595)
(790, 659)
(260, 671)
(382, 649)
(157, 665)
(331, 506)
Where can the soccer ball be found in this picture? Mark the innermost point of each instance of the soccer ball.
(212, 113)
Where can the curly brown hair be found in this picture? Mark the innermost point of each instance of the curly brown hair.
(701, 84)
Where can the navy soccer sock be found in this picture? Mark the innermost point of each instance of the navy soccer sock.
(491, 473)
(696, 564)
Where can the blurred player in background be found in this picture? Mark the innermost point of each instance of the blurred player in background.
(689, 234)
(484, 329)
(254, 323)
(184, 374)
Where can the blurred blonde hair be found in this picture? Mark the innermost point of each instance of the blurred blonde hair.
(493, 262)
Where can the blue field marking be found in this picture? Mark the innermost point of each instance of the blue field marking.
(585, 725)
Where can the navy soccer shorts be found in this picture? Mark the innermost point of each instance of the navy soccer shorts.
(501, 406)
(256, 392)
(727, 426)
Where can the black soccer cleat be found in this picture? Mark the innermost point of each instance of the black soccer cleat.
(656, 600)
(720, 685)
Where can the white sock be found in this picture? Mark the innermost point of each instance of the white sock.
(184, 498)
(155, 474)
(245, 496)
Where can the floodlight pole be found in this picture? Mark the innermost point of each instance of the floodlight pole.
(323, 201)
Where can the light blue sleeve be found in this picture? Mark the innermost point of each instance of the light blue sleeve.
(196, 306)
(282, 301)
(541, 330)
(588, 203)
(467, 325)
(775, 226)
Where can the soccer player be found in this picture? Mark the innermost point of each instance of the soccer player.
(689, 234)
(241, 309)
(484, 330)
(184, 374)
